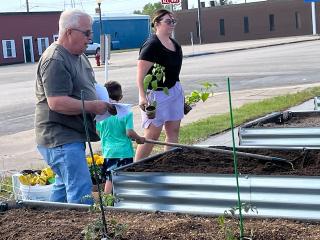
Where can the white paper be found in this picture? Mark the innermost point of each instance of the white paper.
(122, 108)
(102, 92)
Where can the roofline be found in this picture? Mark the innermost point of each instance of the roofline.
(30, 13)
(95, 18)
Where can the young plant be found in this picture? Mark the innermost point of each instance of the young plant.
(107, 201)
(94, 230)
(202, 95)
(195, 96)
(157, 75)
(227, 227)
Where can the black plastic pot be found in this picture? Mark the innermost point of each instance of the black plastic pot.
(151, 112)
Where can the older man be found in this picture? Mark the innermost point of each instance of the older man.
(63, 72)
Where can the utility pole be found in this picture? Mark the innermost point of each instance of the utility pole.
(171, 10)
(102, 36)
(314, 20)
(199, 23)
(27, 4)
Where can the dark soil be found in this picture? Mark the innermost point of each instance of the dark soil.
(299, 122)
(30, 224)
(306, 163)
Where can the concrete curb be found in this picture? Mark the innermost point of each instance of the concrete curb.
(247, 48)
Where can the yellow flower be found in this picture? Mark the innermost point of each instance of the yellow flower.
(89, 161)
(24, 179)
(47, 172)
(99, 160)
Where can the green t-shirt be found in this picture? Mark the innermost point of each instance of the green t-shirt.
(114, 140)
(60, 73)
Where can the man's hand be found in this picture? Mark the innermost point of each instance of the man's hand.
(101, 107)
(111, 109)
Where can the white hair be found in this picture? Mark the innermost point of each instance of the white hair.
(70, 19)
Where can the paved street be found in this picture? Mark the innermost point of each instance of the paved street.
(277, 66)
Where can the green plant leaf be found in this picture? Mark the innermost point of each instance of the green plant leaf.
(159, 76)
(154, 71)
(166, 90)
(154, 103)
(146, 81)
(154, 85)
(204, 96)
(206, 85)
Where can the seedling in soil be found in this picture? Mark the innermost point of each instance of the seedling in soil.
(227, 226)
(107, 200)
(95, 230)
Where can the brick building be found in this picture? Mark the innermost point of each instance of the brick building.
(266, 19)
(24, 36)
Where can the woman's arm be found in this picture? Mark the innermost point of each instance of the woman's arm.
(142, 70)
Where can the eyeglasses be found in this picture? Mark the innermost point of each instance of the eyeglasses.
(170, 21)
(87, 33)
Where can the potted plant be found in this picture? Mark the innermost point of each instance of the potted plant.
(152, 80)
(196, 96)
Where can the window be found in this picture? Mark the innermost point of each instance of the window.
(9, 49)
(43, 43)
(298, 20)
(245, 24)
(55, 37)
(271, 22)
(222, 30)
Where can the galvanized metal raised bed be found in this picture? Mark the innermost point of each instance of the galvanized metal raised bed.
(316, 103)
(211, 194)
(255, 134)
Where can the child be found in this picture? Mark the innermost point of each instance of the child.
(116, 134)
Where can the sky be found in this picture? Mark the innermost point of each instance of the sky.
(107, 6)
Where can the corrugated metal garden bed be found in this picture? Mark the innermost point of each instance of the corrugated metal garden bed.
(283, 129)
(201, 182)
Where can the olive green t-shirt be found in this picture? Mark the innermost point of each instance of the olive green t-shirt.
(61, 73)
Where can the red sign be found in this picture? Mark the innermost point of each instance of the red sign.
(170, 1)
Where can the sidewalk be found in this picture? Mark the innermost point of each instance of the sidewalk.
(214, 48)
(18, 151)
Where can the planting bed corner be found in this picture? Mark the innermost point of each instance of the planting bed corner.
(287, 129)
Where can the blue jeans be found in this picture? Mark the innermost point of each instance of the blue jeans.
(73, 181)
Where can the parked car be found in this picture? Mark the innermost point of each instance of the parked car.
(92, 48)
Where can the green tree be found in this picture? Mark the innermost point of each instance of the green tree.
(137, 12)
(225, 2)
(150, 8)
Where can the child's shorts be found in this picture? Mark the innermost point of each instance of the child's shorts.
(113, 163)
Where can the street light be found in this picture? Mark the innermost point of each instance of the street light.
(102, 45)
